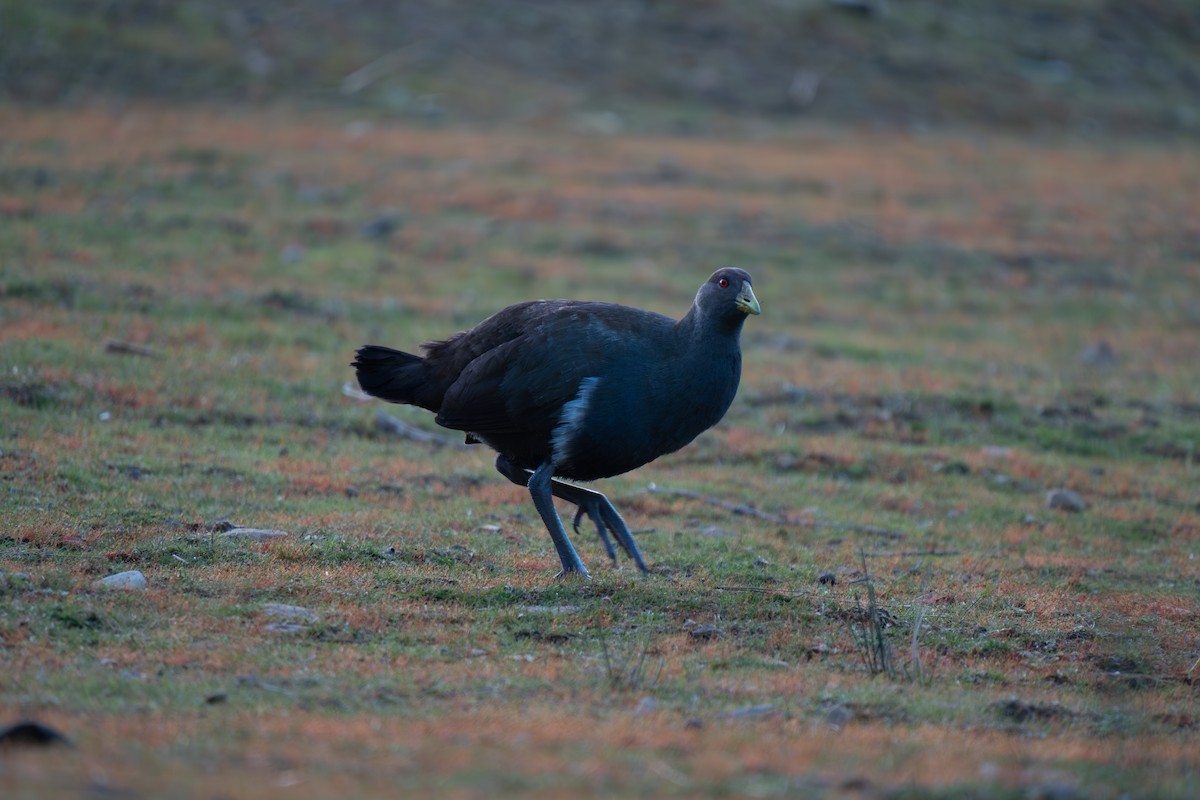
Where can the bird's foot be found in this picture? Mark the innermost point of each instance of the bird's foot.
(573, 575)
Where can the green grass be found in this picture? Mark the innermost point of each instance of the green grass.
(908, 392)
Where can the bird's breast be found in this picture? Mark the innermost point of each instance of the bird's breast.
(617, 423)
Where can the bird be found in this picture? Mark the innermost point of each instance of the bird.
(569, 391)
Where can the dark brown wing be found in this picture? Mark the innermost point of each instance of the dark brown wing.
(520, 386)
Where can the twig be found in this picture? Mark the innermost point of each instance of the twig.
(372, 71)
(759, 590)
(781, 519)
(886, 533)
(736, 508)
(402, 429)
(918, 618)
(129, 348)
(903, 553)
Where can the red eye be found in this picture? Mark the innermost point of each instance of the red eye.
(723, 283)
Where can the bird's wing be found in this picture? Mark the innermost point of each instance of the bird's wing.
(520, 386)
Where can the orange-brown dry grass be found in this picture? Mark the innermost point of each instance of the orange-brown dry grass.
(928, 295)
(557, 754)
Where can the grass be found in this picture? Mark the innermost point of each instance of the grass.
(919, 369)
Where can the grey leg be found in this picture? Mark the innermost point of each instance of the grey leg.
(605, 515)
(543, 501)
(592, 503)
(600, 529)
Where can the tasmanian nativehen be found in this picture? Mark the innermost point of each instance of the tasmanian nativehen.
(577, 390)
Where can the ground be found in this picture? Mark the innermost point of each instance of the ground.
(858, 586)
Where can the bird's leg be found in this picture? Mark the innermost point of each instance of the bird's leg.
(540, 489)
(605, 515)
(520, 477)
(597, 507)
(600, 529)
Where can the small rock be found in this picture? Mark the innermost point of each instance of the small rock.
(1065, 500)
(552, 610)
(124, 580)
(219, 525)
(767, 709)
(827, 578)
(838, 716)
(646, 705)
(28, 733)
(1098, 354)
(861, 8)
(992, 451)
(705, 631)
(284, 611)
(286, 627)
(1053, 791)
(14, 579)
(357, 129)
(216, 698)
(292, 254)
(258, 534)
(382, 226)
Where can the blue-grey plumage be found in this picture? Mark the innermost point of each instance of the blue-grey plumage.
(578, 390)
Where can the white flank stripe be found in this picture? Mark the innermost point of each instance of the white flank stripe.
(571, 420)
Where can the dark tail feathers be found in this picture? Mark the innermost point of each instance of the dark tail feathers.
(393, 375)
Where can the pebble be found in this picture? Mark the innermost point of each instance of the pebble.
(552, 610)
(767, 709)
(132, 579)
(382, 226)
(29, 733)
(705, 631)
(258, 534)
(1065, 500)
(285, 611)
(292, 254)
(1098, 354)
(838, 716)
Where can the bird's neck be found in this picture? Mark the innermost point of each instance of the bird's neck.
(724, 331)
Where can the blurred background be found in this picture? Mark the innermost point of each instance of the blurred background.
(1129, 66)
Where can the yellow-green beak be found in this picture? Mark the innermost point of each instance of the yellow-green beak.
(746, 302)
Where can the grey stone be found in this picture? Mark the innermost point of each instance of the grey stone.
(1065, 500)
(284, 611)
(258, 534)
(124, 580)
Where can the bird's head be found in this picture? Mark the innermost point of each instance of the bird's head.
(728, 296)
